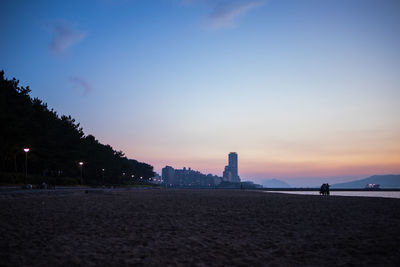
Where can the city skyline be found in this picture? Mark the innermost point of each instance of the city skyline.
(303, 91)
(187, 177)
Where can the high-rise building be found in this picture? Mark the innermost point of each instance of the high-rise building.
(233, 163)
(168, 175)
(231, 171)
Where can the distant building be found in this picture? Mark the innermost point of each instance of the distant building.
(233, 163)
(168, 174)
(227, 174)
(230, 173)
(187, 177)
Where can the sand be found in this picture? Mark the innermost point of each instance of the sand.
(160, 227)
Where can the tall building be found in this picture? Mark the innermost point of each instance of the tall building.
(231, 171)
(168, 174)
(233, 163)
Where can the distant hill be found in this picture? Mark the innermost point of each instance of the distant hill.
(385, 181)
(274, 183)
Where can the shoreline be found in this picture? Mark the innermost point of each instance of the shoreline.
(62, 190)
(346, 193)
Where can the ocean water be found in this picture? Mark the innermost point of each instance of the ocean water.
(388, 194)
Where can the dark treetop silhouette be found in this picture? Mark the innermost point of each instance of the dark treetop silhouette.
(56, 143)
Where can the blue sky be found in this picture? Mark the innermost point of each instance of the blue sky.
(300, 89)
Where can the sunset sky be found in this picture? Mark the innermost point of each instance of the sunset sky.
(304, 91)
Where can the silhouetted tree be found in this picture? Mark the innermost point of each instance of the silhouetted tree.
(57, 143)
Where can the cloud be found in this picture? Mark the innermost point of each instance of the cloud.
(81, 84)
(225, 13)
(64, 36)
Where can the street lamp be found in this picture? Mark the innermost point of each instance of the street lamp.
(26, 163)
(81, 166)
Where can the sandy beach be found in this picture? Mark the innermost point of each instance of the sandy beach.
(159, 227)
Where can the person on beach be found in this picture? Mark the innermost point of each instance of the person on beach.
(324, 190)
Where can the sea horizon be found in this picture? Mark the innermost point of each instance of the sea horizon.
(346, 193)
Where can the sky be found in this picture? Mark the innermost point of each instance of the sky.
(305, 91)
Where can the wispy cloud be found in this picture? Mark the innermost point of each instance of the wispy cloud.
(64, 36)
(225, 13)
(81, 84)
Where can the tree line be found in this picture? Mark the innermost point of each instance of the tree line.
(57, 145)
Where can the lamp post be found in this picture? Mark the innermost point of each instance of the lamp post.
(102, 175)
(81, 166)
(26, 163)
